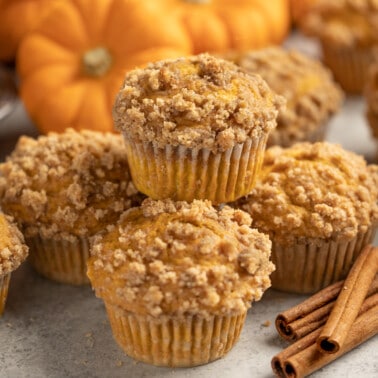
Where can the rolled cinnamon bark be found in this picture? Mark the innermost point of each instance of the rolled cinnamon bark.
(279, 360)
(349, 301)
(300, 320)
(302, 357)
(311, 359)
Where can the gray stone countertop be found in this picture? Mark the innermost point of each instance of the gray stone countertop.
(55, 331)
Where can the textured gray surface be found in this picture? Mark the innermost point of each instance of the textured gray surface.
(52, 330)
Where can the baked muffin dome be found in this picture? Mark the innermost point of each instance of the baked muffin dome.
(195, 128)
(317, 191)
(371, 96)
(66, 185)
(13, 250)
(311, 93)
(197, 102)
(179, 259)
(348, 31)
(344, 23)
(318, 203)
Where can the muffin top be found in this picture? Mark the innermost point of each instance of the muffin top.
(175, 259)
(197, 102)
(318, 191)
(343, 23)
(13, 251)
(312, 95)
(67, 185)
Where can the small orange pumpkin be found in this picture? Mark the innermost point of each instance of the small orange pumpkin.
(17, 17)
(73, 63)
(221, 25)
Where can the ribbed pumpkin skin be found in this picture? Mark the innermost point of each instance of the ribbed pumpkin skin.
(221, 25)
(72, 64)
(17, 17)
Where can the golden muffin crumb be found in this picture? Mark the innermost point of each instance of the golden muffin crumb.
(174, 258)
(67, 184)
(317, 191)
(13, 250)
(343, 23)
(312, 95)
(196, 102)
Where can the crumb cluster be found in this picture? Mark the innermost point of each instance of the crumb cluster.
(67, 185)
(311, 93)
(343, 23)
(196, 102)
(173, 258)
(13, 250)
(318, 191)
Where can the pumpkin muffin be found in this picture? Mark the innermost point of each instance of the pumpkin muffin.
(348, 30)
(13, 252)
(371, 96)
(61, 189)
(177, 279)
(318, 203)
(311, 93)
(195, 128)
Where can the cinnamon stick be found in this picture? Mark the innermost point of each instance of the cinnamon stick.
(312, 313)
(302, 357)
(310, 359)
(349, 301)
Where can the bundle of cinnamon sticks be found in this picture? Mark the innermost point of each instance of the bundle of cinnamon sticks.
(331, 322)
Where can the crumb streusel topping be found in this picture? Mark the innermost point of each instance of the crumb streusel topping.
(343, 23)
(176, 259)
(196, 102)
(318, 191)
(311, 93)
(67, 185)
(13, 250)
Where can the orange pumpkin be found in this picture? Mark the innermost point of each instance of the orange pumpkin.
(17, 17)
(220, 25)
(73, 63)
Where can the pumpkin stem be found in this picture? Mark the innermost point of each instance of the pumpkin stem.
(96, 62)
(198, 1)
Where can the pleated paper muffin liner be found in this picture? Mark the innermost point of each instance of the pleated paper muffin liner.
(60, 260)
(174, 342)
(307, 268)
(349, 66)
(4, 286)
(184, 174)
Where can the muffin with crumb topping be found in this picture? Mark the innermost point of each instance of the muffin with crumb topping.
(195, 128)
(311, 93)
(177, 279)
(371, 96)
(318, 203)
(13, 252)
(348, 32)
(61, 189)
